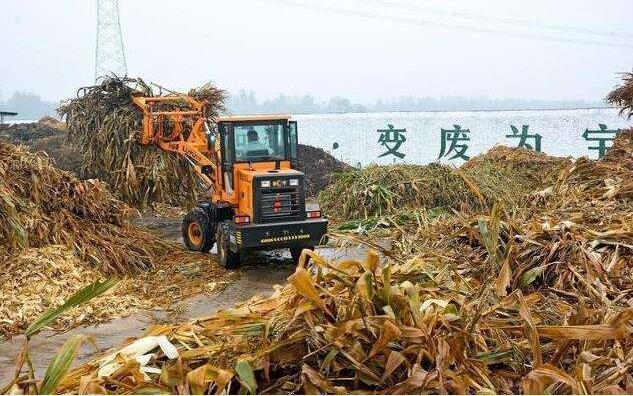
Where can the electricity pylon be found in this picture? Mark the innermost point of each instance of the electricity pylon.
(109, 54)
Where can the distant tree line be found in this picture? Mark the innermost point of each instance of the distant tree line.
(29, 106)
(246, 102)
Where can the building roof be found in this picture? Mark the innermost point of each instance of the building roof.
(8, 113)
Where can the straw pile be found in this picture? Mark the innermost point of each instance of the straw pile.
(34, 280)
(536, 300)
(622, 96)
(41, 205)
(381, 190)
(59, 234)
(105, 123)
(47, 135)
(502, 174)
(509, 175)
(319, 167)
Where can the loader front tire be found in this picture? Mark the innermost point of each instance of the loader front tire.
(226, 257)
(198, 231)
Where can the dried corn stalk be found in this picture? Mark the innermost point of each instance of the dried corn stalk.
(622, 96)
(105, 123)
(41, 205)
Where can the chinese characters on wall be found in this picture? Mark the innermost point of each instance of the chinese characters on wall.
(454, 141)
(392, 139)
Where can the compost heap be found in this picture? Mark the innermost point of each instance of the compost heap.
(319, 167)
(502, 174)
(535, 300)
(105, 123)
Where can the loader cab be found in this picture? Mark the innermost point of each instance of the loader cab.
(256, 143)
(257, 139)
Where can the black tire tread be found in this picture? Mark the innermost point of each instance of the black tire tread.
(199, 216)
(226, 257)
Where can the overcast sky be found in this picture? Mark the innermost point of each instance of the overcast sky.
(328, 47)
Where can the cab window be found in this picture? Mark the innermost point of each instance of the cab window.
(292, 136)
(256, 142)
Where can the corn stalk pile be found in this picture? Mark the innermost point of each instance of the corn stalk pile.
(534, 300)
(104, 121)
(58, 234)
(622, 96)
(41, 205)
(502, 174)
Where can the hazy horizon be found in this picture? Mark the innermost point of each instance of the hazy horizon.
(541, 50)
(31, 107)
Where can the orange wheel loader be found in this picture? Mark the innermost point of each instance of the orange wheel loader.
(256, 199)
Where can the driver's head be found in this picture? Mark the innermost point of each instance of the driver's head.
(252, 135)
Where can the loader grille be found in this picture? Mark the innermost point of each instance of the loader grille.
(280, 203)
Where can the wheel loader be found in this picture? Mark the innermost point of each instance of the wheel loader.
(256, 199)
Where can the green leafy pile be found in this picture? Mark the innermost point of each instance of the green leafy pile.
(502, 174)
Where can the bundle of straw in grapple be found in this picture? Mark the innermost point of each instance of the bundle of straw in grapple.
(538, 300)
(42, 205)
(502, 174)
(622, 96)
(106, 123)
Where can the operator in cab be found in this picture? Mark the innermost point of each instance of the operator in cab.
(253, 145)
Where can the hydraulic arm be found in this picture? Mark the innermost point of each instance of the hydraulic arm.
(184, 131)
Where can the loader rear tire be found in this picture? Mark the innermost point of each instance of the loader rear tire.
(226, 257)
(198, 231)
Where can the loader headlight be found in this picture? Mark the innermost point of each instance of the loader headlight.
(294, 182)
(265, 183)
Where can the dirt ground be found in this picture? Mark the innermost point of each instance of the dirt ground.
(257, 277)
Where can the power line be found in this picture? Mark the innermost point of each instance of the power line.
(502, 20)
(446, 25)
